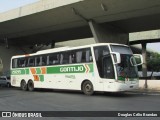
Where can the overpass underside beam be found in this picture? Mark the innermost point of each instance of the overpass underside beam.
(108, 34)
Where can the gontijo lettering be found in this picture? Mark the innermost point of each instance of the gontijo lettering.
(72, 69)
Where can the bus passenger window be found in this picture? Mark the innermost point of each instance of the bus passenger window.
(88, 56)
(37, 61)
(31, 62)
(14, 63)
(84, 55)
(53, 59)
(21, 62)
(79, 56)
(44, 60)
(64, 59)
(72, 58)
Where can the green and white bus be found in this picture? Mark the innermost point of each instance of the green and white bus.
(98, 67)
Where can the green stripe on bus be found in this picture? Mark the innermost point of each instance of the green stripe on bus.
(38, 71)
(41, 78)
(69, 69)
(27, 71)
(91, 67)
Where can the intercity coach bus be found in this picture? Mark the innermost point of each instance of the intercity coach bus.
(98, 67)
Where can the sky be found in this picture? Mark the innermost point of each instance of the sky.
(6, 5)
(154, 46)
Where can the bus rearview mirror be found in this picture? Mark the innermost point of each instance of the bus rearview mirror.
(116, 57)
(136, 60)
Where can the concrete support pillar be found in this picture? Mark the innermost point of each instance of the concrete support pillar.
(144, 66)
(108, 34)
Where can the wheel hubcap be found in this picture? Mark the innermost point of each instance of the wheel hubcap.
(88, 88)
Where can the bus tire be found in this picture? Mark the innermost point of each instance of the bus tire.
(30, 85)
(23, 85)
(87, 88)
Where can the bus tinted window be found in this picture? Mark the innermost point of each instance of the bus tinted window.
(31, 62)
(104, 62)
(14, 63)
(43, 60)
(21, 62)
(37, 61)
(100, 52)
(68, 57)
(53, 59)
(83, 55)
(64, 58)
(72, 57)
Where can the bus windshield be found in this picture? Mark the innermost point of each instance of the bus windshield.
(125, 69)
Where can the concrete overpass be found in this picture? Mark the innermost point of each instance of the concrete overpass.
(49, 21)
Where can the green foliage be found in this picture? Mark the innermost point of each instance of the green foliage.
(153, 62)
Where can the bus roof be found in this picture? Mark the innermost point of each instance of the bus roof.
(65, 48)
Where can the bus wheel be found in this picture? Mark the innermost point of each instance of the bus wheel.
(87, 88)
(30, 85)
(23, 85)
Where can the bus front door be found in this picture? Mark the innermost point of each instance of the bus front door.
(108, 73)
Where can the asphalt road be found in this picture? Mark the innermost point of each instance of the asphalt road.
(13, 99)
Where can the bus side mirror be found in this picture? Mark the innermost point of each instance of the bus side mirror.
(136, 60)
(116, 57)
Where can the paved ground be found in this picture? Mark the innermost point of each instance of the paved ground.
(13, 99)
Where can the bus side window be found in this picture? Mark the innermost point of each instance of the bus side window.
(37, 61)
(54, 59)
(84, 55)
(64, 58)
(14, 63)
(21, 62)
(88, 55)
(79, 56)
(72, 57)
(31, 62)
(44, 60)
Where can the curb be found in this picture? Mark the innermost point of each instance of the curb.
(145, 92)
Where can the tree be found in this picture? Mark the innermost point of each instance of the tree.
(153, 63)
